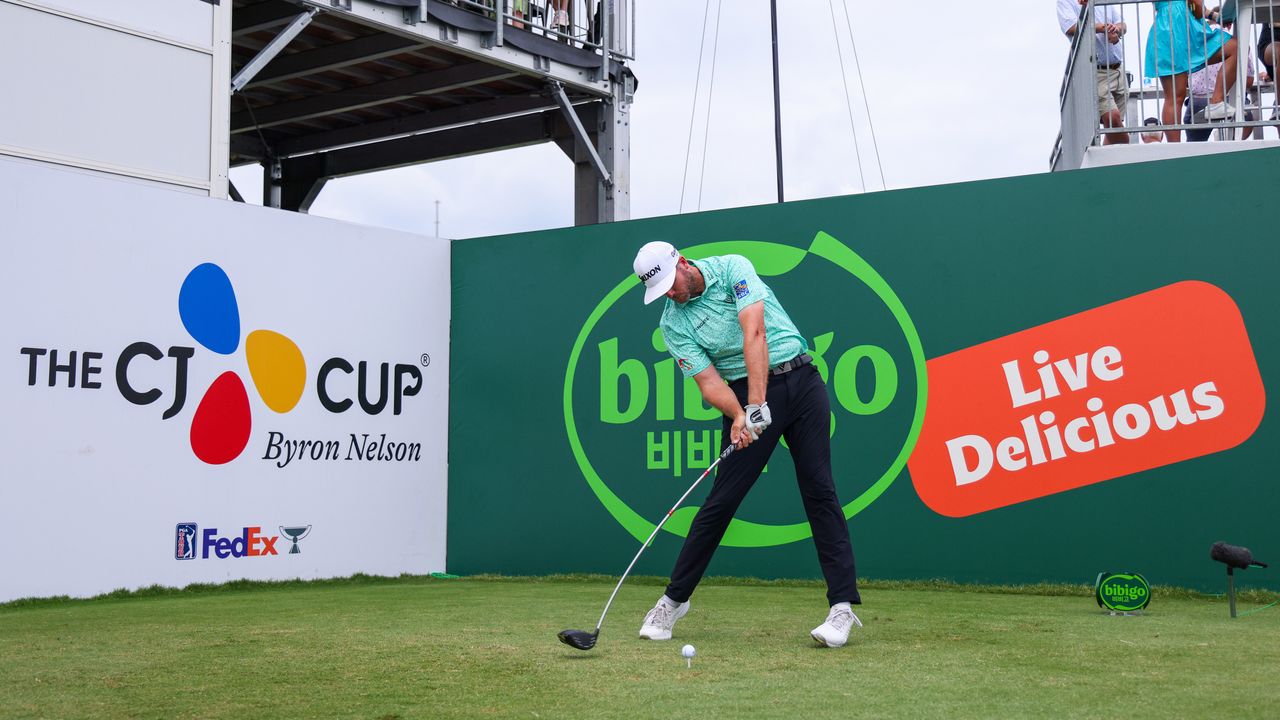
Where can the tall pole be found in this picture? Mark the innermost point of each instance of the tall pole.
(777, 106)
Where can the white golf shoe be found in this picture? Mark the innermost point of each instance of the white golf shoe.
(1219, 111)
(662, 618)
(835, 631)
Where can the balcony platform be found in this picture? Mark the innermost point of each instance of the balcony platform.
(342, 87)
(1103, 155)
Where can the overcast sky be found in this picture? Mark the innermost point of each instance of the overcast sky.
(957, 92)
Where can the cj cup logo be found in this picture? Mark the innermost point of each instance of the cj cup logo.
(636, 425)
(222, 423)
(221, 426)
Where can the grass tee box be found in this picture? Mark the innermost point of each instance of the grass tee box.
(486, 647)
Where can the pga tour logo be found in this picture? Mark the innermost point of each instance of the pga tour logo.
(190, 543)
(185, 543)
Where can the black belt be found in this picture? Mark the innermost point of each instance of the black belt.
(1117, 66)
(798, 361)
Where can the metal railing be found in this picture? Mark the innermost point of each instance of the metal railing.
(1078, 96)
(590, 24)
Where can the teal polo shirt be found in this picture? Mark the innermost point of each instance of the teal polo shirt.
(706, 331)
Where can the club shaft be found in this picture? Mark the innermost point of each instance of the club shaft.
(661, 522)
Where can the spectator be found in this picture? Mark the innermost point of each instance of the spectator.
(1180, 42)
(1269, 44)
(1149, 136)
(1202, 83)
(1269, 50)
(560, 20)
(1113, 85)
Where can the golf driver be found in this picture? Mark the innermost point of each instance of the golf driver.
(584, 640)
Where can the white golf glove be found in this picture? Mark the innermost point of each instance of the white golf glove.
(758, 418)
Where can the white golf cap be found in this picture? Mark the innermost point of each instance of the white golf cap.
(655, 265)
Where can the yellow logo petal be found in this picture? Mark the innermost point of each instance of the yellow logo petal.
(277, 367)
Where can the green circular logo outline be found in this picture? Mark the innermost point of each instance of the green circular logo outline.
(770, 259)
(1123, 580)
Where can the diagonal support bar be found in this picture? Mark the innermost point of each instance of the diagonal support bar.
(272, 49)
(579, 132)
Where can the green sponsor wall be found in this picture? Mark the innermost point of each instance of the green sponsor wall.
(532, 418)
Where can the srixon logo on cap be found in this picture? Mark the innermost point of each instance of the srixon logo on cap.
(1151, 380)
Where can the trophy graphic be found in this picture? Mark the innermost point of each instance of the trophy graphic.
(295, 534)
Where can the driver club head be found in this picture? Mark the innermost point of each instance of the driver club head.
(580, 639)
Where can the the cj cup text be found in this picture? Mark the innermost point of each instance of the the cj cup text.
(334, 388)
(1151, 380)
(1045, 437)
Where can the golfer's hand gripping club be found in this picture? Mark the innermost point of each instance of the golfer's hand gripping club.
(758, 418)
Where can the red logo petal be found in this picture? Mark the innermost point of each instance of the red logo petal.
(220, 428)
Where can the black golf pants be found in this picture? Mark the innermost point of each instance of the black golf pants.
(801, 413)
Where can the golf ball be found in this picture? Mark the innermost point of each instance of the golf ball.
(687, 651)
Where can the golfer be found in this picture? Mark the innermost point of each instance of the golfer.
(722, 323)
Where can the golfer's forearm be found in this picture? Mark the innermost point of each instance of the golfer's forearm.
(757, 356)
(718, 394)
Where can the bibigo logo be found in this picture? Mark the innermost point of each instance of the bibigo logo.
(637, 426)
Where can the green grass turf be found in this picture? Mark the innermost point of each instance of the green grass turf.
(486, 647)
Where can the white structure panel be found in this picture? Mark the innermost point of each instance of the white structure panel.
(95, 485)
(90, 95)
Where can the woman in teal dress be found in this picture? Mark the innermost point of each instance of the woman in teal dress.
(1179, 43)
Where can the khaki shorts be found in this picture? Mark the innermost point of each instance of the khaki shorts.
(1113, 90)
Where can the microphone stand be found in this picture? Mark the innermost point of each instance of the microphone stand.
(1231, 589)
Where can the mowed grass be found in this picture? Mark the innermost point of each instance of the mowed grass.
(486, 647)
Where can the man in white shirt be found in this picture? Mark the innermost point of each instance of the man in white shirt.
(1113, 84)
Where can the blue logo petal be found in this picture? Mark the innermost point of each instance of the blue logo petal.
(207, 304)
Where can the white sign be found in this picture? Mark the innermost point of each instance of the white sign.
(197, 390)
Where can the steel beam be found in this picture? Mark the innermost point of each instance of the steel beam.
(249, 145)
(272, 49)
(472, 43)
(445, 144)
(354, 98)
(333, 57)
(263, 16)
(593, 200)
(301, 181)
(484, 110)
(575, 125)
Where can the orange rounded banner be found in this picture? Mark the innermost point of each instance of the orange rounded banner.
(1143, 382)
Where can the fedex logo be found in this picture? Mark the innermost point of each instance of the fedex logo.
(250, 543)
(190, 543)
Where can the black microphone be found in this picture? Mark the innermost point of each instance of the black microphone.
(1234, 556)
